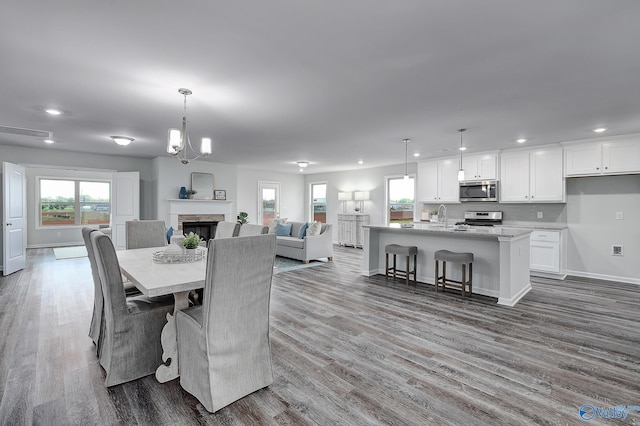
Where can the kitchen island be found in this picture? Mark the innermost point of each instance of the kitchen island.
(501, 255)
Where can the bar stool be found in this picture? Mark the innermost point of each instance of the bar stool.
(462, 258)
(408, 251)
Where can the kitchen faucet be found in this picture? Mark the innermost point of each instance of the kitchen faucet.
(442, 213)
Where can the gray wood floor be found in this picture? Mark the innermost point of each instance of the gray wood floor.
(346, 350)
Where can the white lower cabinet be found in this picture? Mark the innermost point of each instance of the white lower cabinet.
(350, 229)
(546, 252)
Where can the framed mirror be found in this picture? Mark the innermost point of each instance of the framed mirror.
(202, 184)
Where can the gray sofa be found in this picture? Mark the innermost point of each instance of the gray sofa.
(308, 248)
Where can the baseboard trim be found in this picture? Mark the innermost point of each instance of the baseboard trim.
(515, 299)
(604, 277)
(54, 245)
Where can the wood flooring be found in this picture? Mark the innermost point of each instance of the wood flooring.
(347, 350)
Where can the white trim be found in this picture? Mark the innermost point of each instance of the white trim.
(386, 194)
(309, 205)
(603, 277)
(515, 299)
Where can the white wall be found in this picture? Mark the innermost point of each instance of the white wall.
(592, 204)
(366, 179)
(292, 193)
(169, 175)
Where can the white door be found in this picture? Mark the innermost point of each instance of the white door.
(268, 201)
(125, 204)
(14, 218)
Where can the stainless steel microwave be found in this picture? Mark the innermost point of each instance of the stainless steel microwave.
(479, 191)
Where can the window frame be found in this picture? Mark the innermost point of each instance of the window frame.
(76, 205)
(387, 179)
(311, 204)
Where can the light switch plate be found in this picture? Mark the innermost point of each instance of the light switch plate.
(539, 215)
(619, 215)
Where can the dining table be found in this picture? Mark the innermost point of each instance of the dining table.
(154, 276)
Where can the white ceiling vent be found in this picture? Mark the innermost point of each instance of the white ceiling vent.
(26, 132)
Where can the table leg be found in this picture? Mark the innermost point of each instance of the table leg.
(169, 339)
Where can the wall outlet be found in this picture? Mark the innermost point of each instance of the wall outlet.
(619, 215)
(616, 250)
(539, 215)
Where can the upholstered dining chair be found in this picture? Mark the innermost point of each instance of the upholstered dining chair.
(223, 344)
(226, 229)
(248, 229)
(98, 300)
(131, 346)
(145, 233)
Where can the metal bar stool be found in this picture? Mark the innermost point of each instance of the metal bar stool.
(466, 259)
(407, 251)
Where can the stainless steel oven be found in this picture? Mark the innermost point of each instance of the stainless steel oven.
(479, 191)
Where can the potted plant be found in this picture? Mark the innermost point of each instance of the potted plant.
(242, 218)
(191, 242)
(434, 215)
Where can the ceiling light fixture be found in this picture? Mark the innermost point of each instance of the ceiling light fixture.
(49, 141)
(600, 130)
(360, 162)
(52, 111)
(122, 140)
(178, 140)
(461, 170)
(302, 164)
(406, 158)
(521, 140)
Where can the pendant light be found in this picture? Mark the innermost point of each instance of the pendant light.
(406, 158)
(461, 170)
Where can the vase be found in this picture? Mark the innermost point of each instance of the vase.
(183, 193)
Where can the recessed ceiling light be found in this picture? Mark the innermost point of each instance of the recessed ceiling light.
(360, 162)
(463, 148)
(122, 140)
(600, 130)
(417, 154)
(49, 141)
(521, 140)
(53, 111)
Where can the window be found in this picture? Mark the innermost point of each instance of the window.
(400, 199)
(66, 202)
(319, 202)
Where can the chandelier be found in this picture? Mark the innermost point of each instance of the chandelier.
(178, 143)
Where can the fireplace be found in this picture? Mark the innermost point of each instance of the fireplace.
(206, 230)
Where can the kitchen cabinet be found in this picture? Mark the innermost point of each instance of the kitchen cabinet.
(480, 167)
(350, 229)
(601, 158)
(532, 176)
(546, 251)
(438, 181)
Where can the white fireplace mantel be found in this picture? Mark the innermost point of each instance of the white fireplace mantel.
(179, 206)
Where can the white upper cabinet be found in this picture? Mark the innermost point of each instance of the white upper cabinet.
(532, 176)
(438, 181)
(614, 157)
(480, 167)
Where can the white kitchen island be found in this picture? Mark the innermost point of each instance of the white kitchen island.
(501, 255)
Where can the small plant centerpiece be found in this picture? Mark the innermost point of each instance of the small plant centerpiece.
(434, 215)
(191, 242)
(191, 193)
(242, 218)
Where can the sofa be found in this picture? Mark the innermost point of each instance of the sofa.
(307, 248)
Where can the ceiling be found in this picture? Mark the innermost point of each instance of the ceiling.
(329, 82)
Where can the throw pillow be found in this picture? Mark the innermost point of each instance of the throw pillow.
(303, 230)
(283, 229)
(271, 223)
(314, 229)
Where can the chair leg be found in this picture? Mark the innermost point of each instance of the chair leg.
(436, 277)
(471, 280)
(408, 273)
(464, 279)
(386, 266)
(394, 266)
(415, 270)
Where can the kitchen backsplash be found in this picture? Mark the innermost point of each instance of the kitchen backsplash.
(552, 212)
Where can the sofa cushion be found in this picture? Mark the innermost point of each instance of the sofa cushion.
(293, 242)
(303, 230)
(314, 229)
(283, 229)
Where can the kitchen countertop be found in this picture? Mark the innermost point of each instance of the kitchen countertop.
(472, 231)
(513, 224)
